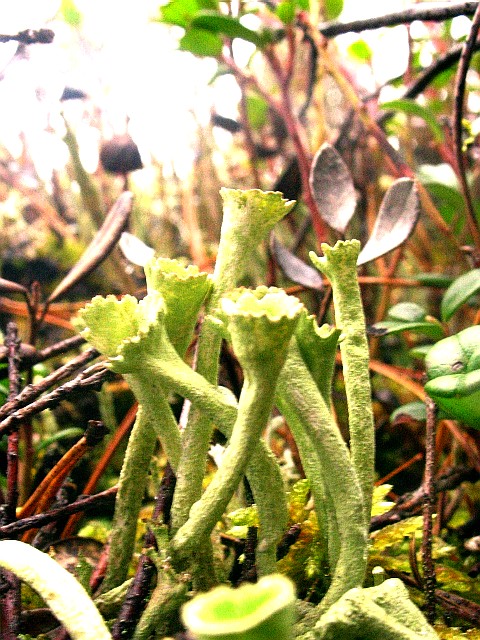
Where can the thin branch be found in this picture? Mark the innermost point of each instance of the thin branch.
(11, 601)
(12, 343)
(91, 378)
(460, 85)
(451, 602)
(81, 504)
(31, 392)
(409, 504)
(432, 12)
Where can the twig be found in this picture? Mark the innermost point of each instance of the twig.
(453, 603)
(35, 522)
(29, 355)
(59, 348)
(91, 378)
(436, 12)
(44, 494)
(31, 392)
(441, 64)
(12, 344)
(30, 36)
(459, 95)
(410, 503)
(110, 449)
(11, 600)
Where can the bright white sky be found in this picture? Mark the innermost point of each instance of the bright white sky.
(129, 66)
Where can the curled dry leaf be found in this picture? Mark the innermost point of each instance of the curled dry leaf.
(332, 187)
(398, 215)
(12, 287)
(294, 268)
(102, 244)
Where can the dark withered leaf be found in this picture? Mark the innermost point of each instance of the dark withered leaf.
(398, 215)
(332, 187)
(102, 244)
(120, 155)
(295, 269)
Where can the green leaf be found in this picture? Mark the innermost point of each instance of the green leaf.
(395, 534)
(407, 312)
(257, 111)
(360, 50)
(459, 292)
(449, 202)
(70, 13)
(181, 12)
(434, 279)
(433, 329)
(227, 26)
(286, 11)
(379, 504)
(333, 8)
(413, 108)
(201, 43)
(420, 351)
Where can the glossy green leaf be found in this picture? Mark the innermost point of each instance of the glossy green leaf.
(420, 351)
(360, 50)
(459, 292)
(413, 108)
(201, 43)
(434, 279)
(333, 8)
(225, 25)
(432, 329)
(453, 369)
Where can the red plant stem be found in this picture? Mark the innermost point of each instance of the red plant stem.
(284, 108)
(294, 129)
(402, 467)
(429, 576)
(459, 95)
(120, 433)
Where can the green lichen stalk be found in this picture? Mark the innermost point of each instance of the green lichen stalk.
(260, 324)
(339, 265)
(248, 216)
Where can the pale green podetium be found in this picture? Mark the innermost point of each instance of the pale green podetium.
(61, 591)
(260, 324)
(339, 264)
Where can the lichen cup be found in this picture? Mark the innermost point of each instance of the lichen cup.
(261, 611)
